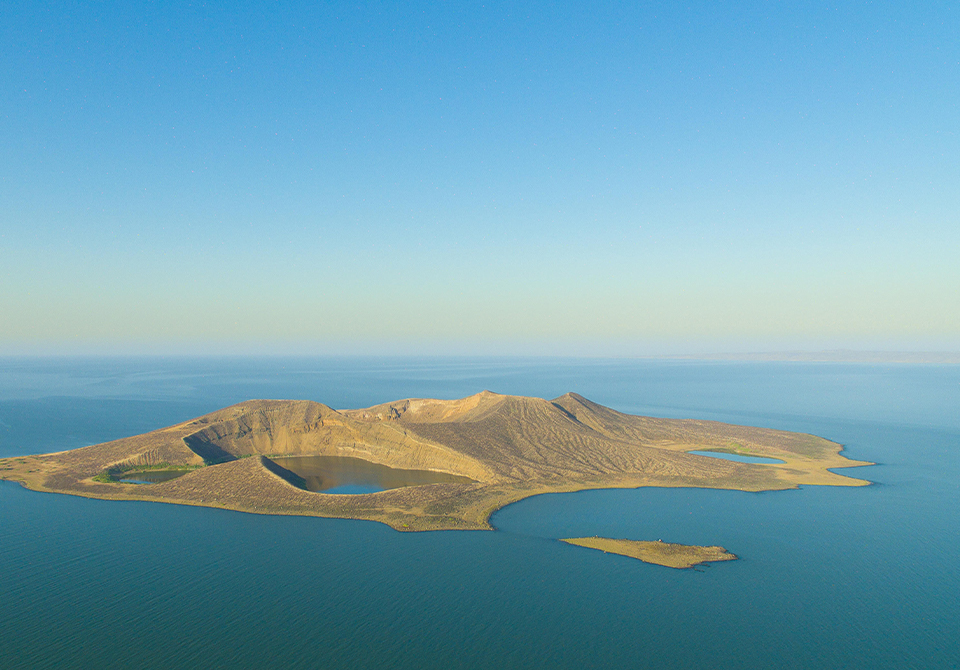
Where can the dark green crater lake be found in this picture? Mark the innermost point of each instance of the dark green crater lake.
(150, 476)
(342, 474)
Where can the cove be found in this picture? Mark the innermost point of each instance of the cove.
(736, 457)
(345, 475)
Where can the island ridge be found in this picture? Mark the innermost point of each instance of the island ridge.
(511, 447)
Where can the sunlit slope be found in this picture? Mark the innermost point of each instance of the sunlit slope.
(300, 427)
(526, 438)
(807, 458)
(511, 446)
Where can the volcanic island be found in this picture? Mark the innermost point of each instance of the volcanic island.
(488, 450)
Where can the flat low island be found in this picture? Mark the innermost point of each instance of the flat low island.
(486, 450)
(667, 554)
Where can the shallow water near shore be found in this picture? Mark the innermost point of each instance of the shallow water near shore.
(828, 577)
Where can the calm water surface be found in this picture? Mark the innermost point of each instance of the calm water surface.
(152, 476)
(342, 474)
(829, 577)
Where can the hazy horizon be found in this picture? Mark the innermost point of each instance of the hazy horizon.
(882, 357)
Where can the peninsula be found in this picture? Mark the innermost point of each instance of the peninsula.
(493, 450)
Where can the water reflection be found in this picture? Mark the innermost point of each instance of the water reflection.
(341, 474)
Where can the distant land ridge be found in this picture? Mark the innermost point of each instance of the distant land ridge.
(834, 356)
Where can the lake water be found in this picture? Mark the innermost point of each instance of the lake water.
(828, 577)
(345, 475)
(151, 476)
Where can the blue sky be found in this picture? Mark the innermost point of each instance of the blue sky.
(542, 177)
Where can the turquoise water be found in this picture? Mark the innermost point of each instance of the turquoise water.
(828, 577)
(736, 457)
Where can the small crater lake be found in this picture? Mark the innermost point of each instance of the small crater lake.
(736, 457)
(342, 474)
(150, 476)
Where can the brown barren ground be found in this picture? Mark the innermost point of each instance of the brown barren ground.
(512, 447)
(660, 553)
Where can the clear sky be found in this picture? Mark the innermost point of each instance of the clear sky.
(589, 178)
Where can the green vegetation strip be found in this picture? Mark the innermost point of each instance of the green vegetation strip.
(111, 475)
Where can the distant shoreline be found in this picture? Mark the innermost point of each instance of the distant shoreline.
(825, 356)
(835, 356)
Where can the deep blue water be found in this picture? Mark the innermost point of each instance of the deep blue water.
(829, 577)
